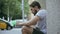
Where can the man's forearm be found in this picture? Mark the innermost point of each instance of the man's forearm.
(18, 23)
(23, 24)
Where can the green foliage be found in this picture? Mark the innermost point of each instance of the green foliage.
(26, 6)
(14, 8)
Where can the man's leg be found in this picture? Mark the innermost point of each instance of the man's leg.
(27, 30)
(37, 31)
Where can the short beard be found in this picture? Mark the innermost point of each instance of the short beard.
(35, 12)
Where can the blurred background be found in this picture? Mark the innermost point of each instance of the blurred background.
(20, 10)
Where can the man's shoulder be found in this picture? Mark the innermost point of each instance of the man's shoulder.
(42, 10)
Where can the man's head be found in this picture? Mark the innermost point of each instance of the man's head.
(35, 6)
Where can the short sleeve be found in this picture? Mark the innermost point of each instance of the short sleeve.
(41, 14)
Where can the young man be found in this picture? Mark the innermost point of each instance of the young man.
(39, 21)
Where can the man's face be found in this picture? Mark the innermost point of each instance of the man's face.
(34, 10)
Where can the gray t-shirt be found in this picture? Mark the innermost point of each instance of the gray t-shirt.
(42, 22)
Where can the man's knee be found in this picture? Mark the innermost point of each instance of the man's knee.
(24, 28)
(27, 29)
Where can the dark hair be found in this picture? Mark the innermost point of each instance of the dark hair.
(35, 3)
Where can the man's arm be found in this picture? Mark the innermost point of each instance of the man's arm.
(33, 21)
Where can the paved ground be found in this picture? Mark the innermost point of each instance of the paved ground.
(13, 31)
